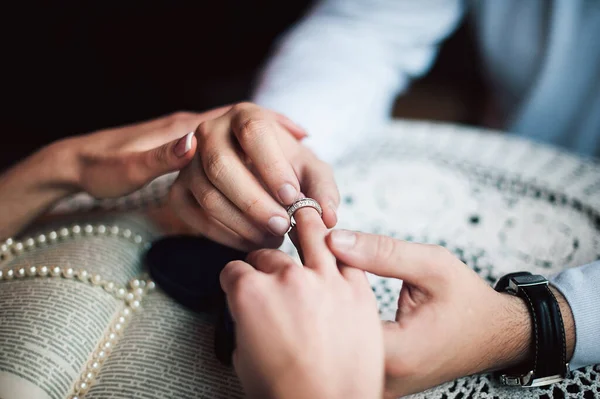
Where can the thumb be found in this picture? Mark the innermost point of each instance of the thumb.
(170, 157)
(418, 264)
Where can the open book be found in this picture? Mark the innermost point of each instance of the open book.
(54, 329)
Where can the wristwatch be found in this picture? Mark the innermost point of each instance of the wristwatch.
(548, 364)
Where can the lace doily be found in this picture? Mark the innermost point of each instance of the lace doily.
(500, 203)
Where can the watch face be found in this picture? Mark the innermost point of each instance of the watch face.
(532, 279)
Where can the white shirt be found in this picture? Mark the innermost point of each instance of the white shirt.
(339, 70)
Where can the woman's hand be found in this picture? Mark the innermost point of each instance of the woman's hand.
(309, 331)
(249, 164)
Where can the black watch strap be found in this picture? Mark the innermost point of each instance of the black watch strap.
(548, 363)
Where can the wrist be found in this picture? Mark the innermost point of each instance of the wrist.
(513, 347)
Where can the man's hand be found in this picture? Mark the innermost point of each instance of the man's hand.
(449, 323)
(249, 165)
(304, 332)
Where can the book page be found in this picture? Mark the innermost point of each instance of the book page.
(49, 326)
(165, 352)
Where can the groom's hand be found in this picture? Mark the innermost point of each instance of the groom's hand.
(450, 323)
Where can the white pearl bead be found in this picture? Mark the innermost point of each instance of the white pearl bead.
(135, 305)
(100, 355)
(88, 229)
(151, 285)
(126, 312)
(138, 239)
(127, 233)
(43, 271)
(107, 346)
(74, 397)
(134, 283)
(52, 236)
(142, 283)
(118, 327)
(18, 246)
(89, 377)
(121, 320)
(64, 232)
(30, 242)
(129, 297)
(9, 242)
(112, 337)
(1, 274)
(76, 229)
(41, 238)
(138, 292)
(108, 286)
(10, 273)
(83, 275)
(68, 272)
(55, 272)
(101, 229)
(120, 293)
(3, 248)
(114, 230)
(32, 271)
(95, 366)
(96, 279)
(82, 387)
(21, 272)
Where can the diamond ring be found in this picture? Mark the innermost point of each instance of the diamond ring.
(303, 203)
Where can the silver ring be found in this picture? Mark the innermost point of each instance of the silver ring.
(303, 203)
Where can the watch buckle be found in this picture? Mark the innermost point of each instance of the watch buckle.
(517, 380)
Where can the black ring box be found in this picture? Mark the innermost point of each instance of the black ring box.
(187, 268)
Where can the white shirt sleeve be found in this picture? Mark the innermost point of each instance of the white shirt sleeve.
(339, 70)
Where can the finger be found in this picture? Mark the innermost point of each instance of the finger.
(420, 264)
(318, 182)
(228, 173)
(256, 132)
(185, 206)
(293, 234)
(143, 167)
(297, 131)
(218, 206)
(311, 238)
(232, 274)
(270, 260)
(354, 275)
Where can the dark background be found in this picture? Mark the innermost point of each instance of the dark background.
(71, 68)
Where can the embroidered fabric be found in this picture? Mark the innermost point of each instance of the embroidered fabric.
(500, 203)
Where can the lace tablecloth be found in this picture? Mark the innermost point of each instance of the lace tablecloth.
(499, 203)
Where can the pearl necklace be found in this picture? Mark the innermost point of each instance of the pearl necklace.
(131, 294)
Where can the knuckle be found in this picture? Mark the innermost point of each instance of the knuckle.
(215, 164)
(160, 156)
(203, 132)
(209, 200)
(384, 247)
(241, 107)
(251, 205)
(291, 274)
(252, 128)
(247, 287)
(176, 120)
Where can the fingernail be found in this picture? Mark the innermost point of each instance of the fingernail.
(278, 225)
(343, 239)
(333, 208)
(287, 193)
(184, 144)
